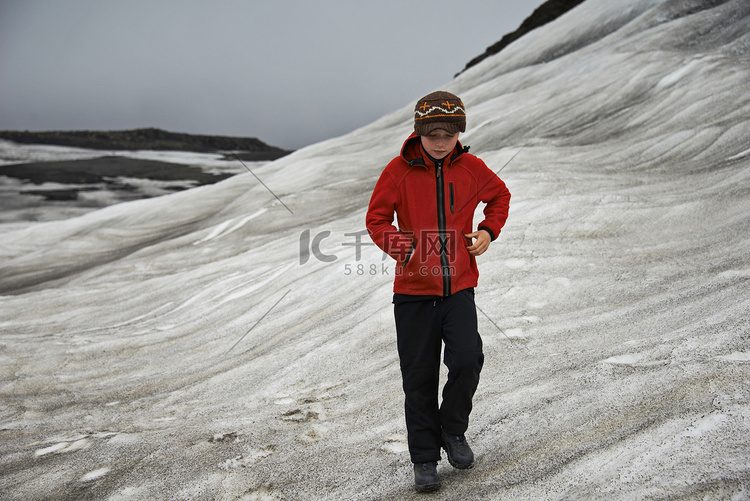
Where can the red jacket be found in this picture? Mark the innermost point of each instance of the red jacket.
(434, 203)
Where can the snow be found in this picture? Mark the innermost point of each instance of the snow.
(94, 475)
(180, 347)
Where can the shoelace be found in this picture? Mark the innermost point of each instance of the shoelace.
(460, 439)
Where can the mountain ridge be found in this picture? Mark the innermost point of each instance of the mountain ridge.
(149, 138)
(548, 11)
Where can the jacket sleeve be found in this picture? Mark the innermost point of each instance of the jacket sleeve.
(495, 194)
(380, 215)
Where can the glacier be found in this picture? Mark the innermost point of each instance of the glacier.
(236, 341)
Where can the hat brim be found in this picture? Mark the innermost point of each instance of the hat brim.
(423, 129)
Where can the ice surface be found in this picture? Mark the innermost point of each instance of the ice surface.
(182, 348)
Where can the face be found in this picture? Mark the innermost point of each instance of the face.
(439, 143)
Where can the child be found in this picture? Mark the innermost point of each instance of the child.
(434, 187)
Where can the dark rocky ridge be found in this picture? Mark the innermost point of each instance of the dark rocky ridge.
(149, 139)
(87, 184)
(548, 11)
(103, 169)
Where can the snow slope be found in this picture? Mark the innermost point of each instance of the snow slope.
(223, 343)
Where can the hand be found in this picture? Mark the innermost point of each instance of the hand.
(481, 245)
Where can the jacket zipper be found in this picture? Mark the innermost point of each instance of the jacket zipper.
(450, 186)
(444, 263)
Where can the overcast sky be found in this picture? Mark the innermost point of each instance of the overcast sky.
(290, 73)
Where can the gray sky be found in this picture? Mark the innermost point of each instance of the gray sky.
(290, 73)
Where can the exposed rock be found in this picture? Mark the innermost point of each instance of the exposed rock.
(548, 11)
(149, 139)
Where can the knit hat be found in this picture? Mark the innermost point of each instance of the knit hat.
(439, 110)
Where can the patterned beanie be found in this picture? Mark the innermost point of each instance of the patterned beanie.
(439, 110)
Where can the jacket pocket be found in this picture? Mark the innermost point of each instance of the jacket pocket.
(452, 198)
(410, 253)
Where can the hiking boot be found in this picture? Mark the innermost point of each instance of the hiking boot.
(425, 477)
(459, 453)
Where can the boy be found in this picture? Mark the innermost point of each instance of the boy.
(434, 187)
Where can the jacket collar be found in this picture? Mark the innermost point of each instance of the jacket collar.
(413, 153)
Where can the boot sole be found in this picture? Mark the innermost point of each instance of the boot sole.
(460, 466)
(428, 487)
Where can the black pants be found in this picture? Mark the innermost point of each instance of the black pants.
(423, 323)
